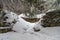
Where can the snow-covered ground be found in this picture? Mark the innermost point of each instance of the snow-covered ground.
(51, 33)
(48, 33)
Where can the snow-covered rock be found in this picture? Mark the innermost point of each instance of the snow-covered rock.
(10, 19)
(38, 26)
(23, 25)
(11, 16)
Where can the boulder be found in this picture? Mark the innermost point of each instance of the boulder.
(51, 19)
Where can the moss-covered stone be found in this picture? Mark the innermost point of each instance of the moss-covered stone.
(51, 19)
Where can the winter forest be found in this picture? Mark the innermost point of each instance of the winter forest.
(29, 19)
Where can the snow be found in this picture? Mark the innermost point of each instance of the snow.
(40, 15)
(21, 28)
(5, 27)
(11, 16)
(23, 25)
(38, 24)
(50, 10)
(23, 15)
(49, 33)
(26, 26)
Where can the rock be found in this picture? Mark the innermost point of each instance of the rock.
(7, 19)
(51, 19)
(36, 29)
